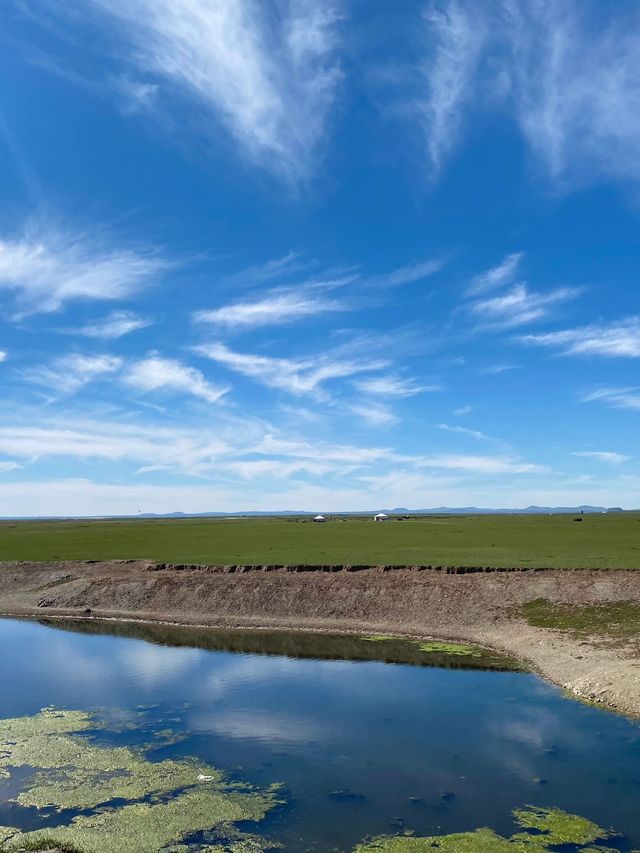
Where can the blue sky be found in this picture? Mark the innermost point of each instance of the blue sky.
(300, 254)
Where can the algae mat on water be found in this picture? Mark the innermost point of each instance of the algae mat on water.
(112, 799)
(543, 830)
(450, 655)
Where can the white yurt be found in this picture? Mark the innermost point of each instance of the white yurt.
(319, 518)
(381, 516)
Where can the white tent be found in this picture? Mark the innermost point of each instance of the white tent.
(381, 516)
(319, 518)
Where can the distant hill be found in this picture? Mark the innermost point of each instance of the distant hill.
(440, 510)
(529, 510)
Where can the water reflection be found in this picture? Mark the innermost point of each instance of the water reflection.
(361, 747)
(287, 643)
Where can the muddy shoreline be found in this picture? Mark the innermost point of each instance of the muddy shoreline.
(472, 604)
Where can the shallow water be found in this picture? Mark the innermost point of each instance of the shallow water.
(362, 747)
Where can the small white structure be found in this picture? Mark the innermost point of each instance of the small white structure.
(319, 518)
(381, 516)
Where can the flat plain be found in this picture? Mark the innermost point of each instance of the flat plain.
(504, 541)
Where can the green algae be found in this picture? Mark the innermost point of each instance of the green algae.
(228, 839)
(548, 829)
(46, 845)
(451, 649)
(158, 802)
(153, 826)
(439, 647)
(432, 646)
(557, 827)
(48, 721)
(378, 638)
(72, 772)
(480, 841)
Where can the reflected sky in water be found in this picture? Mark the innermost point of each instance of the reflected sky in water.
(430, 749)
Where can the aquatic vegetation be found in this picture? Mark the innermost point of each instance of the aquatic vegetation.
(378, 638)
(480, 841)
(441, 653)
(549, 829)
(153, 826)
(156, 803)
(432, 646)
(439, 647)
(228, 839)
(45, 845)
(558, 827)
(451, 649)
(74, 773)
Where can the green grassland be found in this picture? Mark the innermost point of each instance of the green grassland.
(617, 622)
(598, 541)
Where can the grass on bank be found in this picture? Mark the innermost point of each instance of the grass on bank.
(598, 541)
(618, 622)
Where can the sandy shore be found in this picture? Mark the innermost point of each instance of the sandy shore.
(476, 606)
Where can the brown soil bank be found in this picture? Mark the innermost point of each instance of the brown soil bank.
(479, 606)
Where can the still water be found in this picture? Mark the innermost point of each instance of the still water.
(362, 746)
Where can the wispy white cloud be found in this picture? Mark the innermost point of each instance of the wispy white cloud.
(281, 267)
(569, 80)
(135, 95)
(165, 374)
(472, 433)
(68, 374)
(46, 268)
(497, 369)
(617, 398)
(114, 325)
(456, 36)
(82, 496)
(267, 72)
(457, 466)
(393, 386)
(495, 277)
(463, 410)
(373, 413)
(301, 414)
(575, 86)
(519, 305)
(248, 465)
(618, 339)
(603, 456)
(480, 464)
(296, 376)
(340, 453)
(250, 469)
(90, 439)
(405, 274)
(274, 309)
(3, 355)
(228, 445)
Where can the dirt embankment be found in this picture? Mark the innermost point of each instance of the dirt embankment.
(476, 605)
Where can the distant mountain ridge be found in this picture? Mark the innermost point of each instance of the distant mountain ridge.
(441, 510)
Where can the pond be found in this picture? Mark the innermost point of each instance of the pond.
(297, 742)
